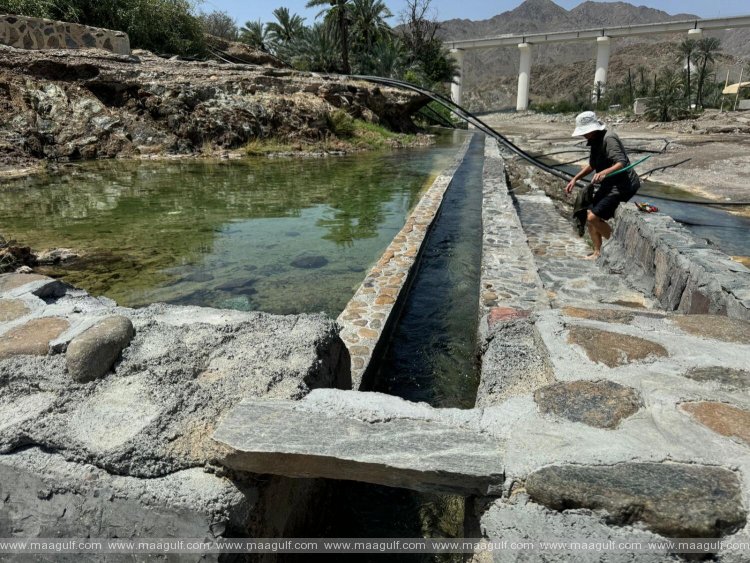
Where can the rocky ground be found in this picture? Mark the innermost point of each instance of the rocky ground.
(717, 144)
(65, 105)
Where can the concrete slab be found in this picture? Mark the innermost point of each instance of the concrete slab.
(299, 439)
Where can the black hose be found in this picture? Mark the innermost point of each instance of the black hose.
(470, 118)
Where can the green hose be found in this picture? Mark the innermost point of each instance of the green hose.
(628, 167)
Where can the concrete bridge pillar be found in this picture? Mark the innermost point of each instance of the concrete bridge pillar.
(524, 74)
(602, 63)
(457, 85)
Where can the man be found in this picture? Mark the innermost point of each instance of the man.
(607, 157)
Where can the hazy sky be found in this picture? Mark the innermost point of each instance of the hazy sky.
(244, 10)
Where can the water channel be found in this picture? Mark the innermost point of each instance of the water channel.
(430, 357)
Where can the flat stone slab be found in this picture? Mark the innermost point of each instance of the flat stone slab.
(672, 499)
(716, 327)
(12, 309)
(32, 338)
(286, 438)
(602, 404)
(722, 418)
(728, 377)
(614, 349)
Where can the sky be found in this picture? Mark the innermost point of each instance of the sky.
(246, 10)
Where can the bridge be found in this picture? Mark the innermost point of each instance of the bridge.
(603, 37)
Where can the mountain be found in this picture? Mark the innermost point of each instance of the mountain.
(484, 68)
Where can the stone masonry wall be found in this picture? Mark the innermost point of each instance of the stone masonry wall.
(36, 33)
(366, 318)
(685, 274)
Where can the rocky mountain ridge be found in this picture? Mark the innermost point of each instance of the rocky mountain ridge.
(486, 69)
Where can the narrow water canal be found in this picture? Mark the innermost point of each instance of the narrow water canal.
(431, 357)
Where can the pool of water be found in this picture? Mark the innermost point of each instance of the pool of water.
(277, 235)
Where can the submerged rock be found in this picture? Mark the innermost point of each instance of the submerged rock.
(309, 262)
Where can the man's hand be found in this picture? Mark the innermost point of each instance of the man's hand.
(598, 177)
(570, 186)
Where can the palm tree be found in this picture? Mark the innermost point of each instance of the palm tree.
(666, 104)
(255, 35)
(686, 50)
(386, 58)
(708, 48)
(314, 50)
(339, 12)
(368, 20)
(287, 26)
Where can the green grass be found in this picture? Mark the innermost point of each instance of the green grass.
(264, 147)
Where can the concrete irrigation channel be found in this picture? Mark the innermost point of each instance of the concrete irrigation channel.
(612, 404)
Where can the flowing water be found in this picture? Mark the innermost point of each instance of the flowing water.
(430, 357)
(276, 235)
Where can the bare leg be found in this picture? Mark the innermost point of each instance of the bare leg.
(597, 229)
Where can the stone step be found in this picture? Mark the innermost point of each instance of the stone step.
(366, 437)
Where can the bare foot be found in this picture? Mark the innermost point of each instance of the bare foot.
(593, 256)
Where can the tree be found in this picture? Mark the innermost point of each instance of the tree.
(315, 50)
(219, 24)
(255, 34)
(426, 51)
(287, 26)
(666, 104)
(386, 58)
(686, 51)
(338, 12)
(708, 48)
(368, 21)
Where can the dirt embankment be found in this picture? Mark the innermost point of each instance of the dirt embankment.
(71, 105)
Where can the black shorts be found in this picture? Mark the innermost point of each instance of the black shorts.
(606, 200)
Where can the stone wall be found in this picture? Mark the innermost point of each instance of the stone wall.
(684, 273)
(368, 315)
(36, 33)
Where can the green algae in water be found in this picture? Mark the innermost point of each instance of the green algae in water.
(277, 235)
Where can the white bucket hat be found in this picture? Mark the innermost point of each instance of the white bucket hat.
(587, 122)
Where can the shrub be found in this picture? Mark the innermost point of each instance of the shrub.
(341, 123)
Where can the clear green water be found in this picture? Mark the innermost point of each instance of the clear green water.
(277, 235)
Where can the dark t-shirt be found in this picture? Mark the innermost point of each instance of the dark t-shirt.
(606, 150)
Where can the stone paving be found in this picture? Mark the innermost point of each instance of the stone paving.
(106, 413)
(367, 316)
(639, 430)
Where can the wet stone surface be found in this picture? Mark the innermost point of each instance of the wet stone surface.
(12, 309)
(32, 338)
(722, 418)
(728, 377)
(716, 327)
(613, 349)
(674, 499)
(603, 404)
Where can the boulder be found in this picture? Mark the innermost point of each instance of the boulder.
(92, 353)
